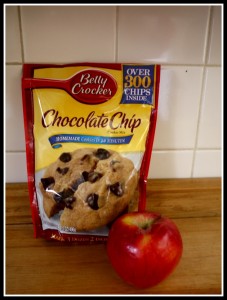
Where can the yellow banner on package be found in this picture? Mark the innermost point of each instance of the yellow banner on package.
(86, 106)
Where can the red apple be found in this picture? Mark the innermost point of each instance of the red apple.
(144, 248)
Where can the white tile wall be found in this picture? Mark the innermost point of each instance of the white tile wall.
(184, 39)
(15, 167)
(208, 163)
(215, 39)
(210, 125)
(61, 34)
(14, 130)
(171, 164)
(178, 107)
(12, 37)
(169, 34)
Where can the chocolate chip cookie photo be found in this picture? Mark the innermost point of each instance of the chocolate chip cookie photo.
(90, 187)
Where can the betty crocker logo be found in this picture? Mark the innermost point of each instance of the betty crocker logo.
(89, 86)
(93, 86)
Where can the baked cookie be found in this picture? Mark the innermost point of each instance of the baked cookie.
(91, 186)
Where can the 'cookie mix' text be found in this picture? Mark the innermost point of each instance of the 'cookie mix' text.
(118, 120)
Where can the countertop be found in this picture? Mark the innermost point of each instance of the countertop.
(41, 267)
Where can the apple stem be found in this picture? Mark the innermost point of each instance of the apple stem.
(145, 224)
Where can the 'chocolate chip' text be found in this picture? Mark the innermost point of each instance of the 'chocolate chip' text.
(118, 120)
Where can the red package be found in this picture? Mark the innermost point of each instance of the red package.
(89, 132)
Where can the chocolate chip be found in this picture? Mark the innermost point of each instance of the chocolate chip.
(117, 189)
(85, 175)
(94, 176)
(69, 201)
(85, 157)
(65, 198)
(114, 164)
(67, 193)
(92, 201)
(65, 157)
(102, 153)
(46, 182)
(62, 171)
(58, 197)
(91, 176)
(63, 195)
(77, 182)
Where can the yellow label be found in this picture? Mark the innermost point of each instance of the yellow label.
(64, 120)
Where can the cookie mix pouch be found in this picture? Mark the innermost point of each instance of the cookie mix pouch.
(89, 131)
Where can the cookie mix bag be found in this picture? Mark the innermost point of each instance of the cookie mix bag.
(89, 131)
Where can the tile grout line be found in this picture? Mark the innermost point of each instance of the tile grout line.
(163, 64)
(207, 43)
(15, 151)
(21, 33)
(13, 63)
(116, 35)
(186, 149)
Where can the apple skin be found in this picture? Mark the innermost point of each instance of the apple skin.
(144, 248)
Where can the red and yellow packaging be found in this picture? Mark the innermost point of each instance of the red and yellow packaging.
(89, 131)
